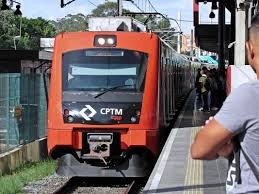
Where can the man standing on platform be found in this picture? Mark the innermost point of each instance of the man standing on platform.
(234, 131)
(204, 91)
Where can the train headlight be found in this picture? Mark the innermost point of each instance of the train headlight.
(110, 41)
(105, 40)
(133, 119)
(70, 119)
(101, 41)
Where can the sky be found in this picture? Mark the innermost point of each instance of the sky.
(50, 9)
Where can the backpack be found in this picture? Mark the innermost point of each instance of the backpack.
(207, 84)
(214, 84)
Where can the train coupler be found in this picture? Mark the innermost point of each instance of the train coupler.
(99, 146)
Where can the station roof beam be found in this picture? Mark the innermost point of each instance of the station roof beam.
(229, 4)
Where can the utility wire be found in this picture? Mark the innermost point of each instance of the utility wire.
(136, 5)
(152, 6)
(143, 5)
(92, 3)
(148, 2)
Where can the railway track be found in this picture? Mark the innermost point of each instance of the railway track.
(134, 187)
(102, 185)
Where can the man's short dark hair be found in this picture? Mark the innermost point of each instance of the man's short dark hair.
(254, 23)
(255, 19)
(204, 68)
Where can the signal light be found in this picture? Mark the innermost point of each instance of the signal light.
(105, 40)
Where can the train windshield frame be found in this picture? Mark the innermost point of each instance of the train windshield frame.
(101, 69)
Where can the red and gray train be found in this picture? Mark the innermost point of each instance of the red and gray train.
(111, 96)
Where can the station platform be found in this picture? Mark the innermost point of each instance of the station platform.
(175, 171)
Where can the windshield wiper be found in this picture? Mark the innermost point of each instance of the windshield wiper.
(111, 89)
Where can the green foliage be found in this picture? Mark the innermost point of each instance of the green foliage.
(8, 29)
(71, 23)
(14, 182)
(32, 30)
(159, 24)
(163, 24)
(106, 9)
(141, 18)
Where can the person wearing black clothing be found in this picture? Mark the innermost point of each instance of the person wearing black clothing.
(198, 85)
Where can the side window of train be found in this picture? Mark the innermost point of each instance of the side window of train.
(167, 61)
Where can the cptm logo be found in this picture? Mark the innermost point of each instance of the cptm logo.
(87, 117)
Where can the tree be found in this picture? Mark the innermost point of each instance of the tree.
(71, 23)
(32, 30)
(8, 29)
(111, 9)
(106, 9)
(163, 24)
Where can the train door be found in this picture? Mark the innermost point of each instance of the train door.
(171, 84)
(177, 79)
(167, 85)
(162, 84)
(174, 81)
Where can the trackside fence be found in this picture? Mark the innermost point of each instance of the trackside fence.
(23, 109)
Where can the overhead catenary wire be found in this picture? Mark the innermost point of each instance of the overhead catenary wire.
(148, 3)
(92, 3)
(136, 5)
(143, 5)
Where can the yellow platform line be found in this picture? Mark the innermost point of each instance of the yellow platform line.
(194, 170)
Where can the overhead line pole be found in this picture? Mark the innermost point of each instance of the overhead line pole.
(179, 36)
(120, 7)
(221, 38)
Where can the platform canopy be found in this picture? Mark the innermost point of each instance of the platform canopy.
(206, 35)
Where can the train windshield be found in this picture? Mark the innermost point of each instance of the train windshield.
(100, 69)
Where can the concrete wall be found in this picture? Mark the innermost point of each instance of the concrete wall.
(31, 152)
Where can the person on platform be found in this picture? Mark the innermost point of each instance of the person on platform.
(197, 84)
(234, 131)
(204, 90)
(216, 87)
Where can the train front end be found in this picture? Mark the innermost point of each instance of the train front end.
(103, 116)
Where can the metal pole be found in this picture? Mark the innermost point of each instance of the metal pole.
(191, 53)
(20, 26)
(232, 38)
(221, 39)
(14, 42)
(240, 50)
(120, 7)
(179, 35)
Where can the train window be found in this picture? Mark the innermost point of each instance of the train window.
(98, 69)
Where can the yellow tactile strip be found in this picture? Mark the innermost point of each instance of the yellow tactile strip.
(194, 171)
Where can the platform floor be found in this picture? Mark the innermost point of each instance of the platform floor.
(175, 171)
